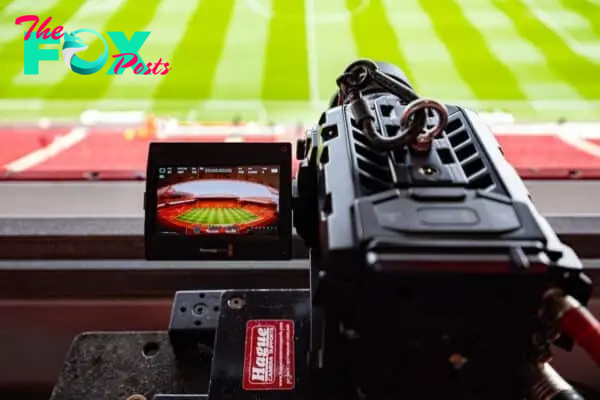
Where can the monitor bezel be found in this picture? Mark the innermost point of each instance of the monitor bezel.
(193, 248)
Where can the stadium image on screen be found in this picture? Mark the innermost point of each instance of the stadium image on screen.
(218, 201)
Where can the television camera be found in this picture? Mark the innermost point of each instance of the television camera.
(432, 275)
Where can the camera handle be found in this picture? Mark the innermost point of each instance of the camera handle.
(363, 74)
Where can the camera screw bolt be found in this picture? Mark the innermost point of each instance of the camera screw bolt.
(236, 303)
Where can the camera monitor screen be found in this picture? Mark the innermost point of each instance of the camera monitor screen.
(198, 200)
(213, 201)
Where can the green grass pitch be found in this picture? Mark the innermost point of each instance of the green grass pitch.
(217, 216)
(278, 59)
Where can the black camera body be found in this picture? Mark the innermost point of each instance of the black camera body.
(433, 264)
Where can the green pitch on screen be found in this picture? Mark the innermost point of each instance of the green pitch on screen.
(217, 216)
(278, 59)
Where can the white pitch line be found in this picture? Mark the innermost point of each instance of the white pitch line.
(260, 8)
(311, 44)
(245, 40)
(573, 138)
(337, 50)
(40, 156)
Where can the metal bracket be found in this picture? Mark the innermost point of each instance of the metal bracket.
(203, 355)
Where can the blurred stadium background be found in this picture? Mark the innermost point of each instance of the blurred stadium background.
(532, 67)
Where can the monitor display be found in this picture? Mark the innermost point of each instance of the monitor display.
(217, 201)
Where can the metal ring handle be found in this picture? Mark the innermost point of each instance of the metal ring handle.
(423, 104)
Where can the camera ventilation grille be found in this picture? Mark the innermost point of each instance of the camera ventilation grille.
(467, 155)
(374, 173)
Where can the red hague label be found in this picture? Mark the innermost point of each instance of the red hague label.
(269, 355)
